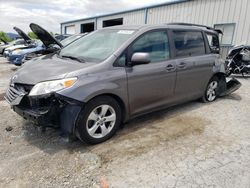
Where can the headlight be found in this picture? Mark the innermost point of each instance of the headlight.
(52, 86)
(17, 52)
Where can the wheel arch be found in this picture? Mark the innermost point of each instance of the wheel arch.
(121, 102)
(222, 81)
(219, 75)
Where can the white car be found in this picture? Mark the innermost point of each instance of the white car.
(20, 43)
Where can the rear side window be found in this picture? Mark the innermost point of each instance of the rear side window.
(155, 43)
(213, 41)
(188, 43)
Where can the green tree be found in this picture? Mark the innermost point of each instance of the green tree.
(5, 37)
(32, 35)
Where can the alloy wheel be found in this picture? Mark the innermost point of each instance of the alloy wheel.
(211, 91)
(101, 121)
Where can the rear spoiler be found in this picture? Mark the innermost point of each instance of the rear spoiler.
(197, 25)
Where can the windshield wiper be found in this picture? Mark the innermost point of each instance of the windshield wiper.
(74, 58)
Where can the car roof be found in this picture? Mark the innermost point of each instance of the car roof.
(156, 26)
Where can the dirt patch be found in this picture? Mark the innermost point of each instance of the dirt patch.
(149, 136)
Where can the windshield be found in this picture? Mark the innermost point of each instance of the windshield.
(97, 46)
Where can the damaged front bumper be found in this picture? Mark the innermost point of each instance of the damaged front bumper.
(52, 110)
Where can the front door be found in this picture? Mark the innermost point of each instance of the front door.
(151, 85)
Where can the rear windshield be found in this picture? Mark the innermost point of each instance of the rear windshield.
(97, 46)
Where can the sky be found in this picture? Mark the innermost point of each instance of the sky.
(50, 13)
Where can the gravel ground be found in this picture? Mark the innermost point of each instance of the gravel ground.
(190, 145)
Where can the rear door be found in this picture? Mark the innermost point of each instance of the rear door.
(151, 85)
(194, 65)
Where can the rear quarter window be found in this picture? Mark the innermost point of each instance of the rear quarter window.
(213, 42)
(188, 43)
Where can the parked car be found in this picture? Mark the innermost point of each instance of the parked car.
(20, 43)
(2, 42)
(104, 79)
(12, 43)
(48, 44)
(29, 43)
(51, 44)
(16, 56)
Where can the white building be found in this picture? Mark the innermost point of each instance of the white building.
(231, 16)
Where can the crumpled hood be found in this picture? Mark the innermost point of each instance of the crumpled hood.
(45, 68)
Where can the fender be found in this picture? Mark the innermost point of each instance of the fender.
(84, 92)
(219, 66)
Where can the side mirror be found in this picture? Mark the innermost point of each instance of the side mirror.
(140, 58)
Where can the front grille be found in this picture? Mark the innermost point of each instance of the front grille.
(17, 90)
(12, 94)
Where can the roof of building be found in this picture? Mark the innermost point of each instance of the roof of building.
(127, 11)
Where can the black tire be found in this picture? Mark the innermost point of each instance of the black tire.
(82, 124)
(207, 98)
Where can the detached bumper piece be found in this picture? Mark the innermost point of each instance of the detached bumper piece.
(232, 86)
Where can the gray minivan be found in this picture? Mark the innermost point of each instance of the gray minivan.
(114, 74)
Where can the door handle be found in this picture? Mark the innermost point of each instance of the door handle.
(170, 67)
(182, 65)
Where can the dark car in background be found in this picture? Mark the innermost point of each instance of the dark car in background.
(106, 78)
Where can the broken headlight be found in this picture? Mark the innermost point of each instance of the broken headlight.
(52, 86)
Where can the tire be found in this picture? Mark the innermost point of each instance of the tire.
(99, 120)
(212, 89)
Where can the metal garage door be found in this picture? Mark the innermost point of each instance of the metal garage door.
(70, 29)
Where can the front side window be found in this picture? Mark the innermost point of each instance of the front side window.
(188, 43)
(155, 43)
(98, 46)
(121, 61)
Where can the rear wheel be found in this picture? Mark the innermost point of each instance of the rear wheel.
(99, 120)
(212, 89)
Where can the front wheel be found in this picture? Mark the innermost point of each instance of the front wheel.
(212, 89)
(99, 120)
